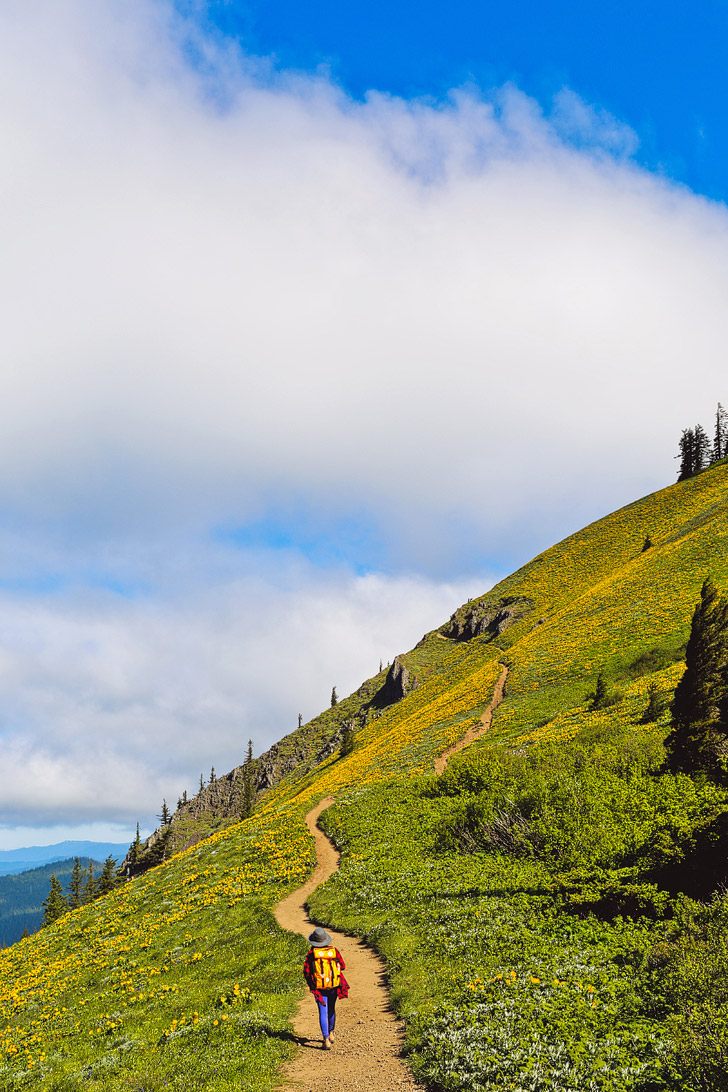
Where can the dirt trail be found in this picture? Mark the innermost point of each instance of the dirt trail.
(476, 731)
(366, 1054)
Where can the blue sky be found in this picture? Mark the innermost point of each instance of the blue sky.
(659, 67)
(318, 320)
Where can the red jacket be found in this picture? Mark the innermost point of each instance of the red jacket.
(342, 990)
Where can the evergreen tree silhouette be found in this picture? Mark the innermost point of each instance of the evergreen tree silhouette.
(107, 879)
(686, 455)
(135, 849)
(700, 700)
(55, 906)
(720, 435)
(701, 452)
(91, 887)
(75, 885)
(164, 816)
(248, 786)
(334, 697)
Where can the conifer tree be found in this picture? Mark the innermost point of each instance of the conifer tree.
(135, 848)
(164, 816)
(91, 887)
(300, 719)
(75, 885)
(701, 453)
(686, 455)
(212, 775)
(248, 786)
(184, 796)
(720, 435)
(55, 906)
(699, 705)
(25, 933)
(334, 697)
(107, 877)
(202, 782)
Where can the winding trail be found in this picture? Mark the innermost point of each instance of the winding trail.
(476, 732)
(366, 1054)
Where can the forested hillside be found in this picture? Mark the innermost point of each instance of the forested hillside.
(544, 905)
(22, 895)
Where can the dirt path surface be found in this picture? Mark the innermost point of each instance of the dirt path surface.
(475, 732)
(366, 1054)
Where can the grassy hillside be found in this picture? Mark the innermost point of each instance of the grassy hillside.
(519, 899)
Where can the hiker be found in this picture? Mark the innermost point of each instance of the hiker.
(322, 971)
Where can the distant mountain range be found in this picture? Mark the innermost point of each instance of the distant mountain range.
(13, 861)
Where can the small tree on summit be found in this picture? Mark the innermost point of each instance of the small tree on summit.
(720, 435)
(700, 704)
(248, 786)
(334, 697)
(686, 455)
(701, 456)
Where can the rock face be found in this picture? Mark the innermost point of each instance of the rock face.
(398, 683)
(486, 618)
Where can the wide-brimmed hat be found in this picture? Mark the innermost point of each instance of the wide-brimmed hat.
(319, 937)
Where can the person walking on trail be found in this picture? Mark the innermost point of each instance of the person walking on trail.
(322, 971)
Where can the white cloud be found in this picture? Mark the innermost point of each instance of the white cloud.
(467, 325)
(111, 703)
(385, 306)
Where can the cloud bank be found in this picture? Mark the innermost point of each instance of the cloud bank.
(235, 297)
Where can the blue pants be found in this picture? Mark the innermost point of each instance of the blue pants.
(327, 1012)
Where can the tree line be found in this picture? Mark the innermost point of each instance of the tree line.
(83, 887)
(696, 451)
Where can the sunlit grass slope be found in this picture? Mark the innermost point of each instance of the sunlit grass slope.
(181, 979)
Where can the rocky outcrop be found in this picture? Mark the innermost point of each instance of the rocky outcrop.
(486, 618)
(397, 684)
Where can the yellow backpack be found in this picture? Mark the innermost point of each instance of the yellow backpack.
(327, 974)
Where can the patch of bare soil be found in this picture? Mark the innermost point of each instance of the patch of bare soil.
(367, 1050)
(476, 731)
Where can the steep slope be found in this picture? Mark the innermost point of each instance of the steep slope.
(184, 970)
